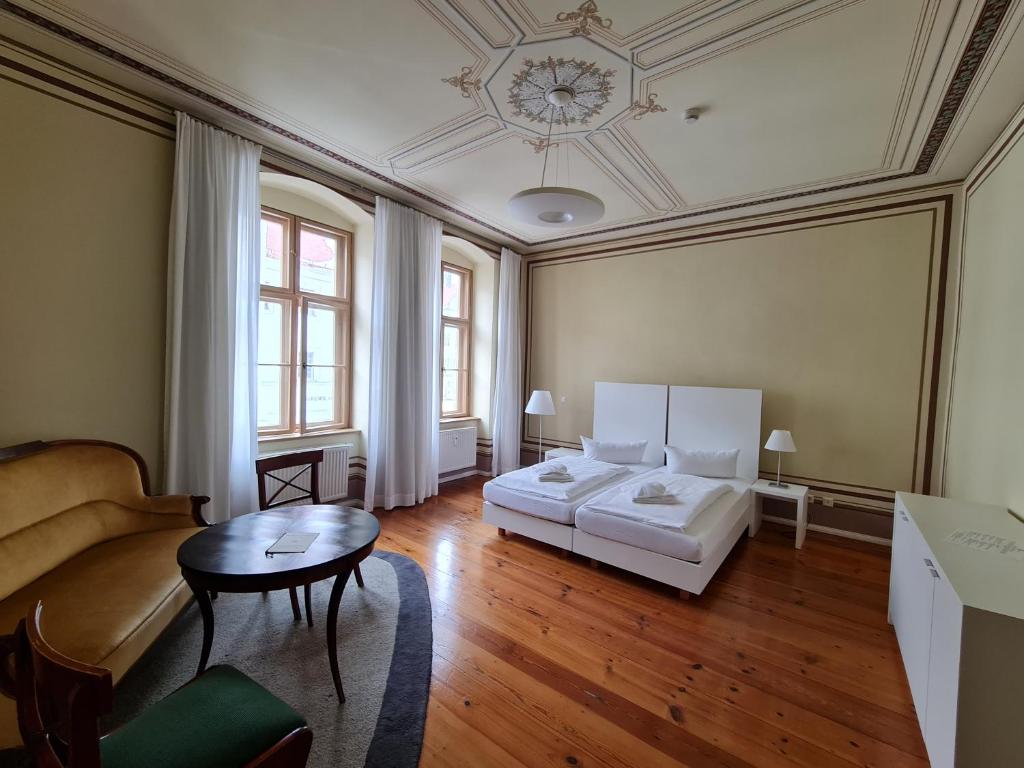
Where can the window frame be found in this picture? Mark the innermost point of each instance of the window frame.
(465, 325)
(299, 303)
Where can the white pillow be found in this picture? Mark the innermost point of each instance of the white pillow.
(680, 461)
(616, 453)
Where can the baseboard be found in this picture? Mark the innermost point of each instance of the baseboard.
(831, 531)
(459, 474)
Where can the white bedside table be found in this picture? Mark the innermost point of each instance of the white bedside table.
(561, 453)
(793, 492)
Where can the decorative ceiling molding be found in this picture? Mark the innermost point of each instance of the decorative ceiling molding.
(464, 81)
(145, 69)
(586, 18)
(641, 108)
(493, 23)
(992, 14)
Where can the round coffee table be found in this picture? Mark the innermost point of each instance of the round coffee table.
(232, 557)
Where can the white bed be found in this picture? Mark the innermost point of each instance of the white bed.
(704, 534)
(621, 412)
(690, 418)
(698, 418)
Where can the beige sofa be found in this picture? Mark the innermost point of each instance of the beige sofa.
(79, 531)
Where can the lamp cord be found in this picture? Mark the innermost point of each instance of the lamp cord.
(547, 145)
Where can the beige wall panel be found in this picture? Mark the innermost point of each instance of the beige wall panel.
(830, 321)
(985, 453)
(84, 208)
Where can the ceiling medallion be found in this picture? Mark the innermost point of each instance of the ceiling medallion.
(589, 87)
(586, 18)
(464, 82)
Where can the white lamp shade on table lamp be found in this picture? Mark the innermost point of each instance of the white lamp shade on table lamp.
(781, 441)
(541, 405)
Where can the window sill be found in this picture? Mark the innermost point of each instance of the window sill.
(307, 435)
(456, 419)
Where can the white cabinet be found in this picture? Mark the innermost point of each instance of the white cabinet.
(911, 592)
(958, 612)
(943, 669)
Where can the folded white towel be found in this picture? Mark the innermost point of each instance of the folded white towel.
(555, 478)
(668, 498)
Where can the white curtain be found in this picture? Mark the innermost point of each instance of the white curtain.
(508, 387)
(213, 289)
(405, 409)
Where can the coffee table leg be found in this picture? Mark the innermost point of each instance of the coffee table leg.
(206, 609)
(332, 630)
(308, 589)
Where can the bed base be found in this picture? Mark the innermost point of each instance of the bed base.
(689, 578)
(508, 520)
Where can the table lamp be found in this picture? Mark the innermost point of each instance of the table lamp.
(781, 442)
(540, 405)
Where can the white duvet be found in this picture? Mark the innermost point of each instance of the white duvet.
(586, 474)
(693, 495)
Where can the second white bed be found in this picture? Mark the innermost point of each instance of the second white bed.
(705, 534)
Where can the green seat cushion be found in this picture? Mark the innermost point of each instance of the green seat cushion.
(222, 719)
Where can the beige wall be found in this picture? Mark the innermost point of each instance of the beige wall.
(831, 320)
(84, 208)
(985, 451)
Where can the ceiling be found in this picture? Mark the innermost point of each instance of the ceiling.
(436, 101)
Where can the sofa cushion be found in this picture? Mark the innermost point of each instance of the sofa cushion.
(105, 606)
(96, 600)
(222, 719)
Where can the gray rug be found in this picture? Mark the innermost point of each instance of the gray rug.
(385, 650)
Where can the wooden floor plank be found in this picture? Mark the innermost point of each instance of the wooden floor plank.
(786, 660)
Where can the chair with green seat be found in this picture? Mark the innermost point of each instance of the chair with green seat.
(221, 719)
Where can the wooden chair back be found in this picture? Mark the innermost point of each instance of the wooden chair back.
(60, 700)
(306, 481)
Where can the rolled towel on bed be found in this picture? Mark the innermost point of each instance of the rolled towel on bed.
(652, 493)
(551, 468)
(553, 472)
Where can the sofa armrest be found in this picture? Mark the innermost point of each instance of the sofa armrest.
(180, 504)
(197, 512)
(8, 646)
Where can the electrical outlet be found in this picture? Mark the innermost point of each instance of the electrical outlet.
(812, 499)
(828, 501)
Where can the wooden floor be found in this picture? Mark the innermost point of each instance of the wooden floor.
(786, 659)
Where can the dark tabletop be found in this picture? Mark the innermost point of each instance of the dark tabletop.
(238, 547)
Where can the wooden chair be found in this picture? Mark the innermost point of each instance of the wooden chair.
(307, 483)
(219, 718)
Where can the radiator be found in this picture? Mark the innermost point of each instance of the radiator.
(458, 449)
(333, 477)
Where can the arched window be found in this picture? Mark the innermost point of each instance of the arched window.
(456, 327)
(304, 325)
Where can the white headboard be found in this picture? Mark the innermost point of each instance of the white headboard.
(717, 418)
(627, 412)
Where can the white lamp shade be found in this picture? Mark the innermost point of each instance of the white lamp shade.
(781, 440)
(541, 403)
